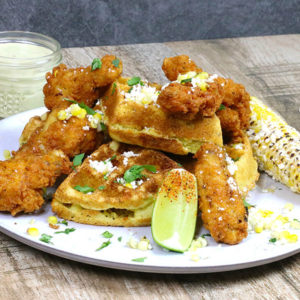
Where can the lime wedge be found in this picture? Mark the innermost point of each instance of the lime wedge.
(175, 211)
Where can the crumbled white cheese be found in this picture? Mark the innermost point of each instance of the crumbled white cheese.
(104, 167)
(142, 94)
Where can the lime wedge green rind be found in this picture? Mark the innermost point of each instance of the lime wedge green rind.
(175, 211)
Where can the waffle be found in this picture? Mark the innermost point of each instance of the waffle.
(137, 119)
(246, 173)
(117, 203)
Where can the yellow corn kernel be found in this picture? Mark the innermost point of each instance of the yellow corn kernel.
(143, 245)
(293, 238)
(279, 159)
(265, 213)
(258, 229)
(7, 154)
(295, 224)
(282, 219)
(129, 185)
(55, 73)
(32, 231)
(97, 116)
(203, 86)
(132, 243)
(195, 257)
(52, 220)
(202, 75)
(62, 115)
(289, 207)
(190, 74)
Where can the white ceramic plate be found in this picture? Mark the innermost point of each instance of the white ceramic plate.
(81, 244)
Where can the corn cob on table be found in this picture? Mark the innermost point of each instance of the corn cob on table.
(275, 144)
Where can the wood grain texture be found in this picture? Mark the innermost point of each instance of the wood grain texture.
(270, 68)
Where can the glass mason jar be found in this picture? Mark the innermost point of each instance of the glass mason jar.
(25, 58)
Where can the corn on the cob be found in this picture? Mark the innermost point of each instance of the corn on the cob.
(275, 144)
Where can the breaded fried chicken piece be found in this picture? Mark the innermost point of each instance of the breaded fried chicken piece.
(22, 180)
(221, 204)
(189, 103)
(181, 101)
(236, 116)
(69, 136)
(181, 64)
(80, 84)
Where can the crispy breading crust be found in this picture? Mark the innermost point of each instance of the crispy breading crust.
(185, 102)
(181, 64)
(79, 84)
(68, 136)
(22, 180)
(234, 118)
(221, 204)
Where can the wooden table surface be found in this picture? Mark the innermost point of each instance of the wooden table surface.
(269, 67)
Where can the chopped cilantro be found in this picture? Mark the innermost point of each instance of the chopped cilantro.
(103, 127)
(96, 64)
(88, 110)
(179, 165)
(77, 160)
(130, 90)
(272, 240)
(236, 159)
(142, 83)
(140, 259)
(107, 234)
(186, 80)
(135, 172)
(46, 238)
(116, 62)
(63, 222)
(83, 189)
(66, 231)
(114, 88)
(133, 81)
(222, 106)
(205, 234)
(248, 205)
(105, 177)
(120, 239)
(103, 245)
(101, 187)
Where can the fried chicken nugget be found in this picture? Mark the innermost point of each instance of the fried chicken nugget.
(69, 136)
(236, 116)
(189, 103)
(181, 64)
(80, 84)
(22, 180)
(221, 204)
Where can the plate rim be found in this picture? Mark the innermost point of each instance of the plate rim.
(132, 266)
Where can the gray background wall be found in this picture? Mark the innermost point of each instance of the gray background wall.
(104, 22)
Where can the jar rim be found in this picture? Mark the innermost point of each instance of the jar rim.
(30, 38)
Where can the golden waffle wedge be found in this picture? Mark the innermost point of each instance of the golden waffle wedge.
(134, 117)
(113, 201)
(246, 173)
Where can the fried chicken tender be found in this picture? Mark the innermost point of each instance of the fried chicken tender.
(181, 64)
(189, 103)
(236, 116)
(68, 136)
(22, 180)
(80, 84)
(221, 204)
(184, 104)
